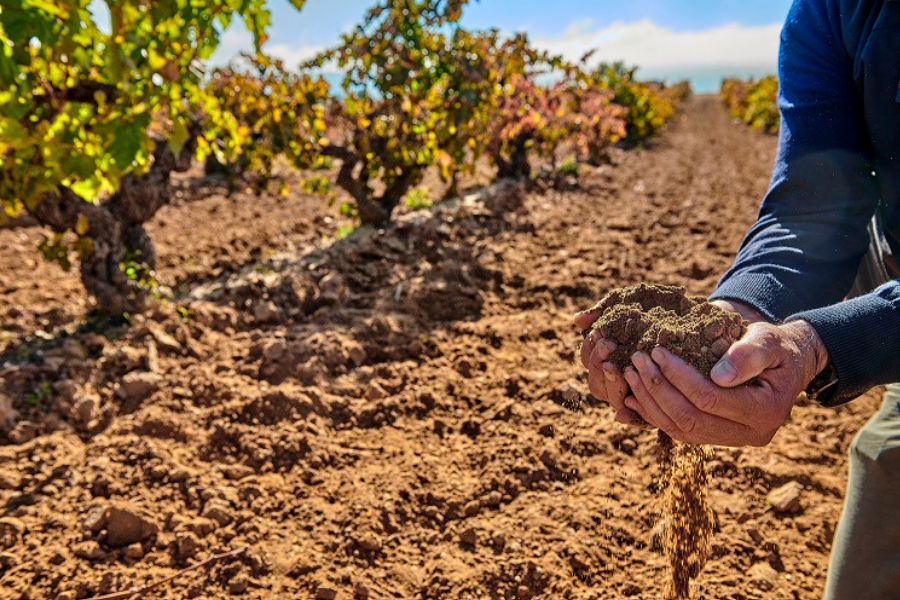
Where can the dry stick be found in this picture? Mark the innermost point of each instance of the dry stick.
(141, 590)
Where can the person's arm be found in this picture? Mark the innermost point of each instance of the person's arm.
(801, 256)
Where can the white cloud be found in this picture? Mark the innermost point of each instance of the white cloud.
(650, 46)
(237, 39)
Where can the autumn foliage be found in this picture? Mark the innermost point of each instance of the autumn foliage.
(753, 102)
(92, 122)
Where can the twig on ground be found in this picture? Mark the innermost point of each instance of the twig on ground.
(143, 589)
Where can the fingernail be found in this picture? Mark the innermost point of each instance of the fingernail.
(609, 368)
(631, 404)
(724, 371)
(659, 356)
(639, 360)
(611, 346)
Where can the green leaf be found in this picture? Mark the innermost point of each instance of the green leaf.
(180, 135)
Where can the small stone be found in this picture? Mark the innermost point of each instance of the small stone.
(628, 446)
(492, 499)
(24, 431)
(124, 526)
(67, 595)
(763, 576)
(325, 592)
(134, 552)
(201, 527)
(274, 350)
(547, 430)
(138, 385)
(11, 531)
(361, 592)
(375, 392)
(86, 408)
(469, 536)
(369, 542)
(90, 551)
(218, 511)
(237, 472)
(471, 508)
(165, 341)
(755, 535)
(186, 545)
(357, 355)
(266, 312)
(238, 584)
(498, 541)
(550, 457)
(95, 519)
(569, 395)
(786, 499)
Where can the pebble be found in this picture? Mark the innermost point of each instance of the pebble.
(469, 536)
(266, 312)
(86, 408)
(90, 551)
(95, 520)
(134, 552)
(325, 592)
(186, 545)
(138, 385)
(218, 511)
(274, 350)
(369, 542)
(786, 499)
(124, 526)
(238, 584)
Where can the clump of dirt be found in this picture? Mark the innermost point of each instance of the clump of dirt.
(640, 318)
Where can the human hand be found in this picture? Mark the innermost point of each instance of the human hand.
(605, 381)
(672, 395)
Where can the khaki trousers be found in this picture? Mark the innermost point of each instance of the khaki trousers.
(865, 557)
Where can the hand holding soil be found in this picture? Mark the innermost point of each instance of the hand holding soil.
(675, 343)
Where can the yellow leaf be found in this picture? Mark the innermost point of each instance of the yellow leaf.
(81, 227)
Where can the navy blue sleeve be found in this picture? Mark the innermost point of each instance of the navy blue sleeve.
(801, 256)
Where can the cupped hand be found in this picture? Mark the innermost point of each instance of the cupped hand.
(605, 381)
(779, 360)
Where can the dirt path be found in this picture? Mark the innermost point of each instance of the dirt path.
(383, 418)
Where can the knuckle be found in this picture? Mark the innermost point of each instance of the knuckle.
(706, 399)
(685, 421)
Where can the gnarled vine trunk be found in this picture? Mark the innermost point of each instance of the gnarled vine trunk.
(116, 230)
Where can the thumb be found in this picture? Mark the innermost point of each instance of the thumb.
(747, 358)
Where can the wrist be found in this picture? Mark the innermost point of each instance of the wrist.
(745, 310)
(811, 348)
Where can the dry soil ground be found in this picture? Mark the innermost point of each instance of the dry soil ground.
(383, 417)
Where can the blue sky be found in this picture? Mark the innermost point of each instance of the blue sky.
(321, 21)
(701, 39)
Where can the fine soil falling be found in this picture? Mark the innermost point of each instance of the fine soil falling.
(639, 318)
